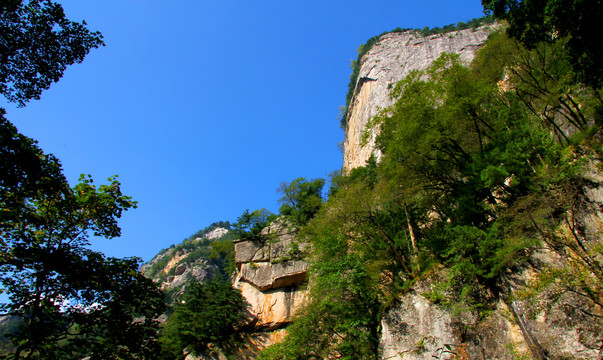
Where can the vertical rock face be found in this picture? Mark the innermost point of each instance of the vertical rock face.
(566, 327)
(554, 325)
(271, 278)
(389, 61)
(416, 328)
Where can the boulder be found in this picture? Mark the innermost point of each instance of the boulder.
(251, 250)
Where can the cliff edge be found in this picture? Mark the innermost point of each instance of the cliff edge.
(391, 59)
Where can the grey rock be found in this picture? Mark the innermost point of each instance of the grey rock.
(415, 328)
(258, 274)
(389, 61)
(289, 273)
(251, 250)
(179, 269)
(266, 276)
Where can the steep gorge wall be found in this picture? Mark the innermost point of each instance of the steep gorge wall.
(269, 276)
(414, 327)
(389, 61)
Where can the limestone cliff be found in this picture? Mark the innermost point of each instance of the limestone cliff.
(272, 274)
(552, 326)
(393, 57)
(271, 277)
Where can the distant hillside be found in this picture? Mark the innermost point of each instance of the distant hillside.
(205, 253)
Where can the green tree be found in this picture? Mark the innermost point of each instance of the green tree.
(37, 45)
(534, 21)
(66, 295)
(69, 301)
(301, 199)
(250, 224)
(471, 180)
(207, 313)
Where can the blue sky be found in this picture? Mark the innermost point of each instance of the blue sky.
(204, 107)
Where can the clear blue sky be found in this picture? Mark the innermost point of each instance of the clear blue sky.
(204, 107)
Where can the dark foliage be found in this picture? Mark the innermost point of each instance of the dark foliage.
(250, 224)
(37, 43)
(207, 313)
(301, 199)
(534, 21)
(65, 294)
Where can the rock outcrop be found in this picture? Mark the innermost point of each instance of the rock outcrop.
(554, 325)
(271, 278)
(271, 275)
(389, 61)
(416, 328)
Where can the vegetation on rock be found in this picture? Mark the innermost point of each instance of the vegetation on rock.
(577, 22)
(368, 45)
(250, 224)
(481, 166)
(218, 252)
(301, 199)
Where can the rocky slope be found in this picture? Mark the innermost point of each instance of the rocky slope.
(389, 61)
(173, 268)
(272, 274)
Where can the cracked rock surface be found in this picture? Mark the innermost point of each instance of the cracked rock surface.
(271, 275)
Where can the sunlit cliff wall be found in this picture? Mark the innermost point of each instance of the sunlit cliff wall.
(393, 57)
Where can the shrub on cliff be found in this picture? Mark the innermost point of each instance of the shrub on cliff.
(250, 224)
(301, 199)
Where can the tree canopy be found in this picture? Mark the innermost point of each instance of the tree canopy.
(69, 298)
(250, 224)
(533, 21)
(477, 172)
(67, 301)
(207, 313)
(37, 43)
(301, 199)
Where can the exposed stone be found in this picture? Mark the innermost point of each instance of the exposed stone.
(289, 273)
(274, 308)
(276, 244)
(196, 271)
(280, 229)
(389, 61)
(251, 250)
(180, 269)
(270, 277)
(216, 233)
(265, 275)
(549, 327)
(258, 274)
(415, 328)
